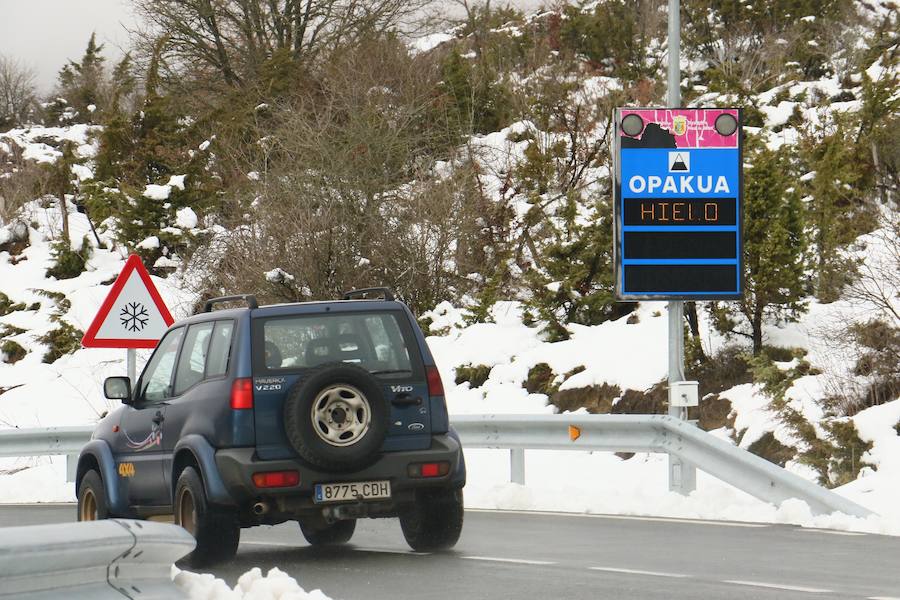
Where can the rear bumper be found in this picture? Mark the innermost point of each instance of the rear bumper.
(237, 466)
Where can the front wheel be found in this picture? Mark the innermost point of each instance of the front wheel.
(435, 521)
(330, 535)
(216, 529)
(92, 498)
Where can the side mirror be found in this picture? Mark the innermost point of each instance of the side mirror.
(118, 388)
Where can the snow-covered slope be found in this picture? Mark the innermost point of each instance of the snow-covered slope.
(629, 352)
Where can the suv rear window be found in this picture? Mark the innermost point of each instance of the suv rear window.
(373, 341)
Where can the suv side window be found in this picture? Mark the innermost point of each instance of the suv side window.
(156, 382)
(192, 362)
(219, 349)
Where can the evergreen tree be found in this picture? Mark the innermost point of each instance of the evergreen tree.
(838, 207)
(145, 148)
(774, 247)
(81, 83)
(574, 283)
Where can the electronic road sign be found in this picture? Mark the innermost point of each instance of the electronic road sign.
(678, 204)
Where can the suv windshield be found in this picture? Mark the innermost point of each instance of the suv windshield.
(374, 341)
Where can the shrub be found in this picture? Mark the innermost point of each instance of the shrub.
(648, 402)
(476, 375)
(15, 234)
(878, 344)
(7, 306)
(769, 448)
(59, 299)
(847, 449)
(65, 339)
(597, 399)
(69, 263)
(721, 372)
(540, 380)
(12, 352)
(779, 354)
(837, 457)
(714, 412)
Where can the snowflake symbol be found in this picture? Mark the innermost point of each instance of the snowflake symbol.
(134, 316)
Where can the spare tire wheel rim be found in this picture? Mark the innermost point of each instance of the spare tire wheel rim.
(341, 415)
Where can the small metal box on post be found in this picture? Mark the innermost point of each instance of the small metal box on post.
(684, 394)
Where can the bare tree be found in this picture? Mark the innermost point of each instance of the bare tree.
(17, 92)
(348, 195)
(233, 38)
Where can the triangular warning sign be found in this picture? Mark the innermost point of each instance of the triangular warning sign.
(133, 315)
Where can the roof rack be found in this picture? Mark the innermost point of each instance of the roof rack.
(384, 293)
(249, 298)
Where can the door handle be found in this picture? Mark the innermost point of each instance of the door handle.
(159, 418)
(405, 399)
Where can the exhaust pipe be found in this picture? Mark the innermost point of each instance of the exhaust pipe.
(260, 508)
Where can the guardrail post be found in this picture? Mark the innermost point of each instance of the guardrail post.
(71, 467)
(517, 465)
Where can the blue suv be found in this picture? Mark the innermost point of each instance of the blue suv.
(316, 412)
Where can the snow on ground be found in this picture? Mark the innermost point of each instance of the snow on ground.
(428, 42)
(631, 355)
(634, 356)
(32, 141)
(252, 585)
(68, 391)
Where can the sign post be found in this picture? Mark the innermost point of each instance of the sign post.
(133, 315)
(678, 207)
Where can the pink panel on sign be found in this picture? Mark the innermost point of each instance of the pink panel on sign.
(692, 127)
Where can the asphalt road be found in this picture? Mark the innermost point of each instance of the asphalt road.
(534, 556)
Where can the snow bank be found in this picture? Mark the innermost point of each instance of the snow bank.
(252, 585)
(633, 355)
(428, 42)
(33, 141)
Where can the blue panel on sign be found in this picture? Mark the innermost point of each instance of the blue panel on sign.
(712, 173)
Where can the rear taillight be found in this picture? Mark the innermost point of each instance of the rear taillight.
(242, 393)
(273, 479)
(435, 385)
(433, 469)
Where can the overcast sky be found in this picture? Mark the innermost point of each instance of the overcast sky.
(44, 34)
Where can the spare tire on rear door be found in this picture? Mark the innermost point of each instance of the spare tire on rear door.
(336, 417)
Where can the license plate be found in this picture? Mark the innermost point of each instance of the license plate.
(351, 491)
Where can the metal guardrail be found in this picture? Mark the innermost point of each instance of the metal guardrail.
(648, 433)
(50, 441)
(95, 560)
(609, 433)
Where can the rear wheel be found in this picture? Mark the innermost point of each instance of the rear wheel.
(92, 498)
(216, 529)
(435, 521)
(330, 535)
